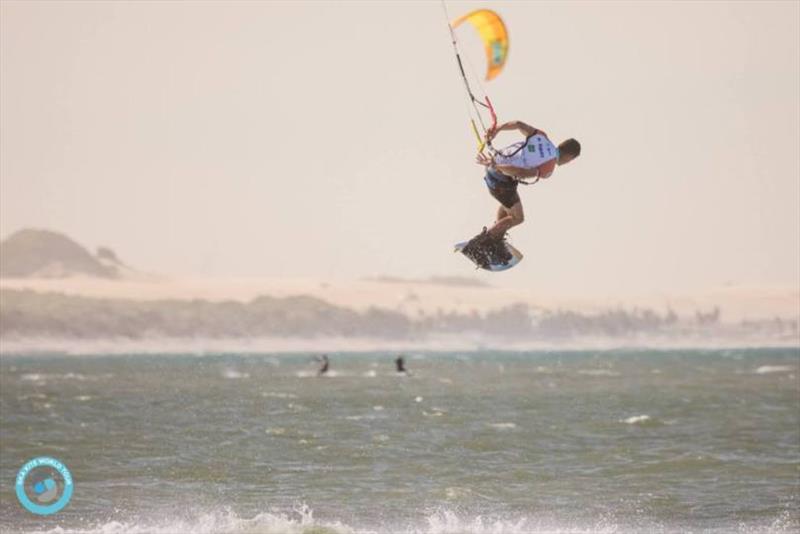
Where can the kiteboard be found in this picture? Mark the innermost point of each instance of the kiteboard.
(496, 266)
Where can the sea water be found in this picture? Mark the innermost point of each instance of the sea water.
(606, 441)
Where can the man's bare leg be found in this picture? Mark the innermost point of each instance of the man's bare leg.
(502, 212)
(507, 218)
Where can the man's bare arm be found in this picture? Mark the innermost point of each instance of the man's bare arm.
(525, 129)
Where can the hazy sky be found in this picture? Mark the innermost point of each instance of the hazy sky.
(330, 139)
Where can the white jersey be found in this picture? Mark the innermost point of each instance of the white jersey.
(529, 154)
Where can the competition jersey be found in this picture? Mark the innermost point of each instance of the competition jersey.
(537, 151)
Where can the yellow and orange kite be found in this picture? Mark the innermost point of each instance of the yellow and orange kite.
(493, 33)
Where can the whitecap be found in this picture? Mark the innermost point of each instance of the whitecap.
(767, 369)
(32, 396)
(637, 419)
(453, 493)
(316, 374)
(597, 372)
(41, 378)
(503, 426)
(278, 395)
(301, 519)
(77, 376)
(232, 374)
(32, 377)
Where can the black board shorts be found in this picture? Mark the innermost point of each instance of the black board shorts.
(503, 188)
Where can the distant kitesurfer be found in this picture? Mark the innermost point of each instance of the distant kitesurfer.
(325, 365)
(400, 364)
(534, 158)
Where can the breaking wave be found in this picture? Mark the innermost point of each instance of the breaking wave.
(301, 520)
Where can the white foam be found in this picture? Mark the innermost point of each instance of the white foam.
(278, 395)
(44, 377)
(503, 426)
(32, 396)
(232, 374)
(359, 417)
(767, 369)
(449, 522)
(443, 521)
(637, 419)
(598, 372)
(225, 522)
(316, 374)
(32, 377)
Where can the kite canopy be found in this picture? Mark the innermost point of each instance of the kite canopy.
(493, 33)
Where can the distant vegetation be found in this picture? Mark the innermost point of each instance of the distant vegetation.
(25, 313)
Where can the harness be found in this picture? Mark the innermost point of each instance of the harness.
(516, 150)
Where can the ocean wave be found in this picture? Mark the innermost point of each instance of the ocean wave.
(637, 419)
(57, 377)
(233, 374)
(768, 369)
(503, 426)
(278, 395)
(301, 520)
(598, 372)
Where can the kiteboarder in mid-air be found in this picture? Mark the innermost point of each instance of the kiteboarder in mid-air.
(534, 158)
(523, 162)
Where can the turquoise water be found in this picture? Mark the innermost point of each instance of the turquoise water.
(611, 441)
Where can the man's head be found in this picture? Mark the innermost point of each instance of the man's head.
(568, 150)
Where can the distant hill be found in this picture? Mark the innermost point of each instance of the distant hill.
(34, 253)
